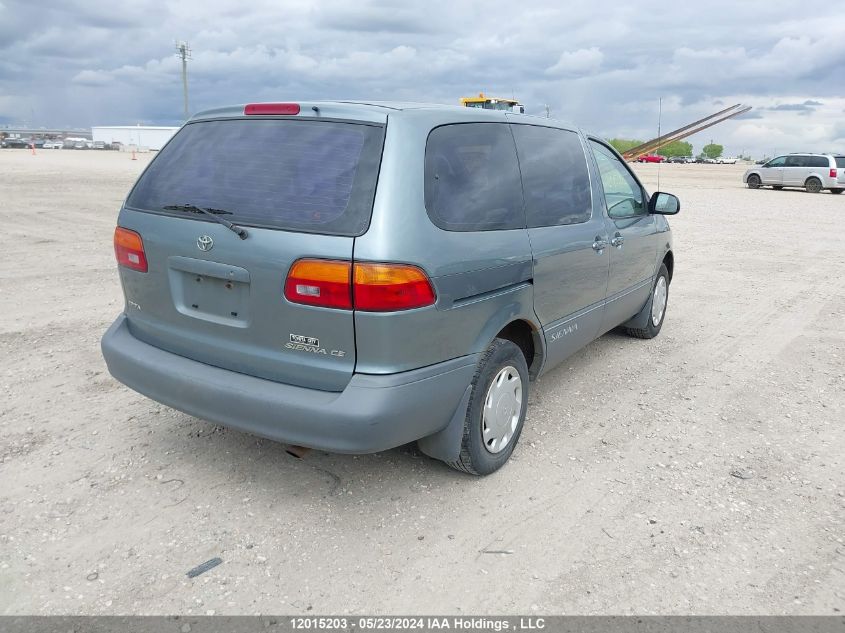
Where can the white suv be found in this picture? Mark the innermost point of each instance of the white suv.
(813, 172)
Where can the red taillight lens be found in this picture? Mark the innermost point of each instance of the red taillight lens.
(390, 287)
(368, 287)
(271, 108)
(320, 282)
(833, 173)
(129, 250)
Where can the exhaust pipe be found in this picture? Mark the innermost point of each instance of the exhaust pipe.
(297, 451)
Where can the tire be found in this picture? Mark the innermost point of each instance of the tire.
(813, 185)
(656, 316)
(498, 370)
(836, 191)
(777, 187)
(754, 181)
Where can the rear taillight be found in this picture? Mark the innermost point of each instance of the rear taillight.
(320, 282)
(129, 250)
(271, 108)
(368, 287)
(389, 287)
(833, 173)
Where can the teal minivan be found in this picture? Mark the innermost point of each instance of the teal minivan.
(353, 276)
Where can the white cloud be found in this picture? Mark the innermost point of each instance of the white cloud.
(580, 62)
(92, 78)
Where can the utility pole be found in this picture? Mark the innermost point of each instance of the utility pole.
(183, 51)
(546, 106)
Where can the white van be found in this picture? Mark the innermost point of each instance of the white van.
(813, 172)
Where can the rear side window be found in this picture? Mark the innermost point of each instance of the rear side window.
(807, 161)
(555, 178)
(312, 176)
(817, 161)
(472, 178)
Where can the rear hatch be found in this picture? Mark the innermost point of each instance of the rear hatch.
(300, 187)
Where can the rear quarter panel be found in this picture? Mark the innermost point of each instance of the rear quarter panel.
(482, 278)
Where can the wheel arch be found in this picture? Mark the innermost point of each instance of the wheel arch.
(528, 337)
(669, 261)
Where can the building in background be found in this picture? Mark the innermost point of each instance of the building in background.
(133, 136)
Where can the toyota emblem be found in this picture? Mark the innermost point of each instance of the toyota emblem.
(205, 243)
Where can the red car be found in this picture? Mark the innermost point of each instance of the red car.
(651, 158)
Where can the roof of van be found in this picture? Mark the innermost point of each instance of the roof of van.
(380, 105)
(372, 110)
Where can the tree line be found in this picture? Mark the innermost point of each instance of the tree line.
(675, 148)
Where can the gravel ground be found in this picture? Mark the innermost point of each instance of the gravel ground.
(694, 473)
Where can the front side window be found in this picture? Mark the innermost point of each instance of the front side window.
(780, 161)
(472, 178)
(555, 177)
(622, 192)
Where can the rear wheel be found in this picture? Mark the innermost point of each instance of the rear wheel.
(496, 410)
(813, 185)
(657, 307)
(836, 191)
(754, 181)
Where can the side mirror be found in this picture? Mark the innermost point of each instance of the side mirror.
(664, 204)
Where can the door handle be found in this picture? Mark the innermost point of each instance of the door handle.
(617, 241)
(599, 245)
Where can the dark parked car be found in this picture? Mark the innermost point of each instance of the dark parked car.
(354, 276)
(17, 143)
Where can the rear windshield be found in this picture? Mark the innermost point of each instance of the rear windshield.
(840, 162)
(311, 176)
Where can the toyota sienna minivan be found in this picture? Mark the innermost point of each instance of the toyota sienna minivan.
(352, 277)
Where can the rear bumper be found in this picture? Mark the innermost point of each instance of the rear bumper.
(373, 413)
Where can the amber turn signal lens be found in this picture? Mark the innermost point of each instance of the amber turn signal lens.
(320, 282)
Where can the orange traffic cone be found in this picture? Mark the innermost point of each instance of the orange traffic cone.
(133, 155)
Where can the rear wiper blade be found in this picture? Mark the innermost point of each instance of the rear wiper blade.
(214, 214)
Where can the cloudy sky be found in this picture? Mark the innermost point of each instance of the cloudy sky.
(601, 65)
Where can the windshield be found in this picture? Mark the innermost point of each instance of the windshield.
(305, 175)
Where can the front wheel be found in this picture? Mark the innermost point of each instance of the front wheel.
(657, 306)
(754, 181)
(496, 411)
(813, 185)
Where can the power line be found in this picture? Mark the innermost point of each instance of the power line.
(183, 51)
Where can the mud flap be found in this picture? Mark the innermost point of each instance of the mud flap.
(445, 445)
(640, 320)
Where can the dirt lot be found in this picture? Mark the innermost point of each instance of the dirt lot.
(619, 498)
